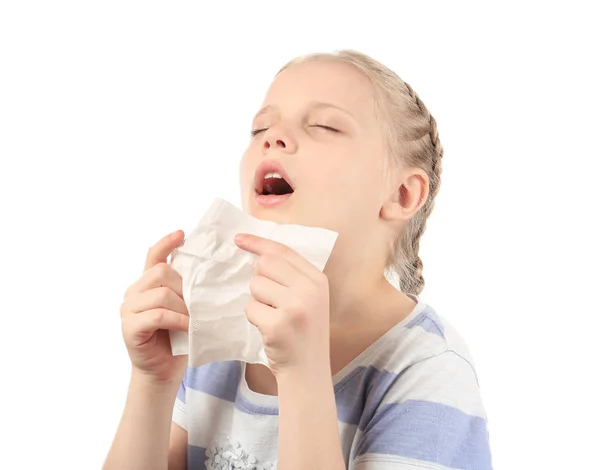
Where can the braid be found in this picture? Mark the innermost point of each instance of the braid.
(433, 134)
(413, 281)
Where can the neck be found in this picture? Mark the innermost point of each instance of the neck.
(357, 287)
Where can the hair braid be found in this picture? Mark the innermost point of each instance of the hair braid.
(413, 281)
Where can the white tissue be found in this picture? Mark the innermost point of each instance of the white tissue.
(216, 276)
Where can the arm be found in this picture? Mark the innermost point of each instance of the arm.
(290, 307)
(308, 426)
(151, 306)
(143, 440)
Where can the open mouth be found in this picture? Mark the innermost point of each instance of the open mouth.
(275, 185)
(271, 180)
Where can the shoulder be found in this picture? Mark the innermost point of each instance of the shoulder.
(423, 359)
(424, 334)
(428, 360)
(425, 400)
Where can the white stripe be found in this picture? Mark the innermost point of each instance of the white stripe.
(447, 379)
(180, 414)
(393, 462)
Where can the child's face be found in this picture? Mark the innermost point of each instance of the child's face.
(337, 176)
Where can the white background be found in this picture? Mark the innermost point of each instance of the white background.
(121, 120)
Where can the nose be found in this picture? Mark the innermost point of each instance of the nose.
(272, 142)
(278, 139)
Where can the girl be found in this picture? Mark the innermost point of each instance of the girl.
(363, 375)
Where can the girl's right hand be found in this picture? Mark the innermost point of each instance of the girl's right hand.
(152, 306)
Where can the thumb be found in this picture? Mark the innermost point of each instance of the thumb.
(163, 248)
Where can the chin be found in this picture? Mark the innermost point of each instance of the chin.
(271, 209)
(289, 211)
(272, 215)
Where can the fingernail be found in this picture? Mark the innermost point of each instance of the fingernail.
(239, 238)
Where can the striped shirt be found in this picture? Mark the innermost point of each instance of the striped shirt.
(411, 400)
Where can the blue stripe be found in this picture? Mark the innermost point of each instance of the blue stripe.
(196, 459)
(219, 379)
(181, 391)
(246, 406)
(360, 393)
(429, 321)
(430, 432)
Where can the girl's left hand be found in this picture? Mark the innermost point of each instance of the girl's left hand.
(289, 306)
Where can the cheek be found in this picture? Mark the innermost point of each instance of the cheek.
(359, 186)
(246, 172)
(356, 177)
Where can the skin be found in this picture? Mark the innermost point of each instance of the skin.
(338, 176)
(307, 317)
(312, 323)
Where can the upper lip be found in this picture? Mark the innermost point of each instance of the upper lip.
(269, 166)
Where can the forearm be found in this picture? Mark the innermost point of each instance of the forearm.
(308, 426)
(142, 438)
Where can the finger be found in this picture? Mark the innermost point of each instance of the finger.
(260, 315)
(263, 246)
(279, 270)
(159, 297)
(146, 323)
(159, 275)
(161, 251)
(267, 291)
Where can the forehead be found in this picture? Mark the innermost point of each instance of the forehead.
(336, 83)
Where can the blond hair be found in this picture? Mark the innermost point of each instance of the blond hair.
(411, 135)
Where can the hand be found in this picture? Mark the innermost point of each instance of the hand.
(153, 305)
(289, 306)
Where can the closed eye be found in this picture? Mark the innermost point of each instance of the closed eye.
(255, 132)
(327, 128)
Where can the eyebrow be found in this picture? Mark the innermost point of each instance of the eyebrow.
(313, 105)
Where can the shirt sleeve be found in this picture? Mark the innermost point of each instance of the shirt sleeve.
(431, 418)
(180, 408)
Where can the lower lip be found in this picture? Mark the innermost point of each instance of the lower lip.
(271, 200)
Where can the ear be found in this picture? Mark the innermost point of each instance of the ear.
(410, 188)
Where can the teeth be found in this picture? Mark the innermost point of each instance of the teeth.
(273, 175)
